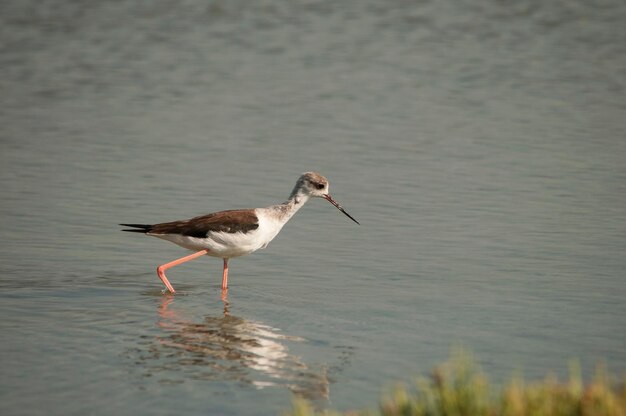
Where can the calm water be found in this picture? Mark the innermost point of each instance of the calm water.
(480, 144)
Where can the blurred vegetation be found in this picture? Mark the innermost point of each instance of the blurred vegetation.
(459, 388)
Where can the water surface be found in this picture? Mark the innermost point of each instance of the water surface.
(480, 145)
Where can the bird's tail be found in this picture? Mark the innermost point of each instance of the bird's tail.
(137, 228)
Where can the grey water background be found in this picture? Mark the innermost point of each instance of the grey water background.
(481, 144)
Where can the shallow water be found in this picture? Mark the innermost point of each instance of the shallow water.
(480, 145)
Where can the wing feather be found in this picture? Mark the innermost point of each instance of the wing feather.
(231, 221)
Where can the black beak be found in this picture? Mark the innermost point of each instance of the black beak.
(339, 207)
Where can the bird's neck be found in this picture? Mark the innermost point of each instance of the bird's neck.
(287, 209)
(297, 198)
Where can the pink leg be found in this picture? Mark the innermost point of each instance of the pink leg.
(225, 275)
(162, 268)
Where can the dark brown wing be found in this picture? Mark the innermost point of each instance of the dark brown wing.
(232, 221)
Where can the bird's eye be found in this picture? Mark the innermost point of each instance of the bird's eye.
(319, 186)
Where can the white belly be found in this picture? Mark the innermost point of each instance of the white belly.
(227, 245)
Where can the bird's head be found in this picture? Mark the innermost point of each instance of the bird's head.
(312, 184)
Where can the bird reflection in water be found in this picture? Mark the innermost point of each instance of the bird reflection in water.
(227, 347)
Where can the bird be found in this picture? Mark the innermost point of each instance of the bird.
(236, 232)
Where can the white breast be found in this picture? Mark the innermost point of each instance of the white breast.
(227, 245)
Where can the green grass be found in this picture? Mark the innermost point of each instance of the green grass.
(459, 388)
